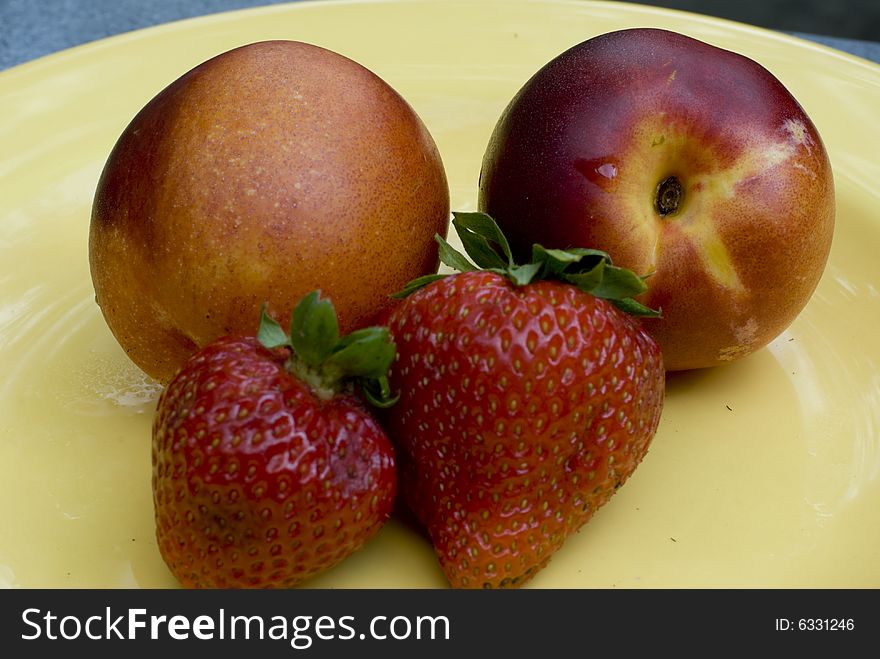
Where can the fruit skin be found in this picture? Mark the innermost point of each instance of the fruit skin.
(522, 409)
(266, 172)
(258, 482)
(578, 155)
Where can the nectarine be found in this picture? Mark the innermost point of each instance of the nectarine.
(264, 173)
(684, 161)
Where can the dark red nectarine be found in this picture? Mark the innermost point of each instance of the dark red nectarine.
(682, 160)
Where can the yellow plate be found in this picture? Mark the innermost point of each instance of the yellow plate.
(763, 473)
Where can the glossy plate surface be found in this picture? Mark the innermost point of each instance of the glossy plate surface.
(763, 473)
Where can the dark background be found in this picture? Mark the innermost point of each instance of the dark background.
(32, 28)
(853, 19)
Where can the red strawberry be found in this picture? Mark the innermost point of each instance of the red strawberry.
(524, 403)
(267, 468)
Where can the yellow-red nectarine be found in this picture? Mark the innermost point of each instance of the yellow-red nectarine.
(267, 172)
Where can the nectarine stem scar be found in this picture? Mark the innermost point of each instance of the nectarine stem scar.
(667, 199)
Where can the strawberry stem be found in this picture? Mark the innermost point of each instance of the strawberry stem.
(590, 270)
(326, 362)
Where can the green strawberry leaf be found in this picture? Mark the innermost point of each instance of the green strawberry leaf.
(618, 283)
(452, 257)
(523, 274)
(366, 353)
(270, 332)
(587, 280)
(559, 261)
(554, 261)
(586, 251)
(635, 308)
(313, 329)
(416, 284)
(377, 391)
(478, 232)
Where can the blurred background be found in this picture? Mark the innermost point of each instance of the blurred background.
(32, 28)
(852, 19)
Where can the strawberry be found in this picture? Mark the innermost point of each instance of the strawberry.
(267, 466)
(527, 398)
